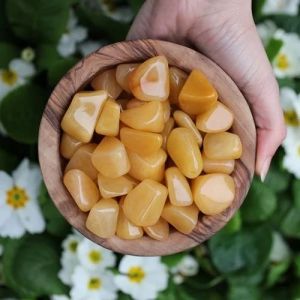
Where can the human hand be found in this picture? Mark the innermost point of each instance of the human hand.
(224, 31)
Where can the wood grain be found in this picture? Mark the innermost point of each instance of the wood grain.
(134, 51)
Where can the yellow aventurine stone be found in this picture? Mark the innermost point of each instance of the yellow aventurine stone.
(183, 218)
(177, 80)
(179, 190)
(81, 116)
(141, 142)
(166, 109)
(217, 165)
(122, 103)
(223, 145)
(213, 193)
(107, 81)
(144, 204)
(110, 158)
(103, 217)
(185, 152)
(123, 72)
(108, 122)
(197, 94)
(150, 80)
(147, 166)
(147, 117)
(82, 160)
(114, 187)
(127, 230)
(184, 120)
(134, 103)
(217, 119)
(158, 231)
(82, 189)
(68, 146)
(169, 125)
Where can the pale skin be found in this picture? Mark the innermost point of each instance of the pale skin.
(224, 31)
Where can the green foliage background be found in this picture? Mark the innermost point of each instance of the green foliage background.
(236, 264)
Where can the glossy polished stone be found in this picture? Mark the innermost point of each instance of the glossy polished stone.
(144, 204)
(183, 218)
(81, 116)
(134, 103)
(217, 119)
(82, 160)
(115, 187)
(147, 117)
(169, 125)
(107, 81)
(123, 72)
(177, 80)
(141, 142)
(179, 189)
(82, 189)
(109, 119)
(150, 80)
(184, 151)
(68, 146)
(217, 165)
(197, 94)
(213, 193)
(110, 158)
(158, 231)
(103, 217)
(184, 120)
(223, 145)
(147, 166)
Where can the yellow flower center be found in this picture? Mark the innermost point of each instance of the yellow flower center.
(282, 62)
(73, 246)
(9, 77)
(95, 256)
(136, 274)
(291, 118)
(94, 284)
(16, 197)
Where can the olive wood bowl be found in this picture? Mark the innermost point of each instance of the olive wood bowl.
(136, 51)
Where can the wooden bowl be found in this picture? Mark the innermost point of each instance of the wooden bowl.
(136, 51)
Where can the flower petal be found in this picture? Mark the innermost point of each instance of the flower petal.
(32, 217)
(5, 213)
(13, 228)
(6, 183)
(22, 68)
(66, 46)
(78, 34)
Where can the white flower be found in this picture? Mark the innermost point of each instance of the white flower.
(19, 208)
(89, 46)
(178, 279)
(93, 285)
(95, 257)
(266, 31)
(188, 266)
(28, 54)
(74, 35)
(280, 250)
(69, 259)
(141, 277)
(289, 7)
(287, 61)
(17, 74)
(291, 160)
(290, 103)
(118, 13)
(60, 297)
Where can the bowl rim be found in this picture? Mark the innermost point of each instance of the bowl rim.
(129, 52)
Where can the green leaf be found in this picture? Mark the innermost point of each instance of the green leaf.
(234, 224)
(246, 292)
(59, 69)
(297, 265)
(276, 272)
(273, 48)
(8, 52)
(296, 192)
(56, 224)
(172, 260)
(290, 24)
(8, 161)
(286, 82)
(123, 296)
(136, 5)
(31, 264)
(38, 21)
(21, 112)
(290, 225)
(260, 203)
(47, 56)
(283, 206)
(248, 249)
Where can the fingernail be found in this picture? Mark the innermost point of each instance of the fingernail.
(265, 169)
